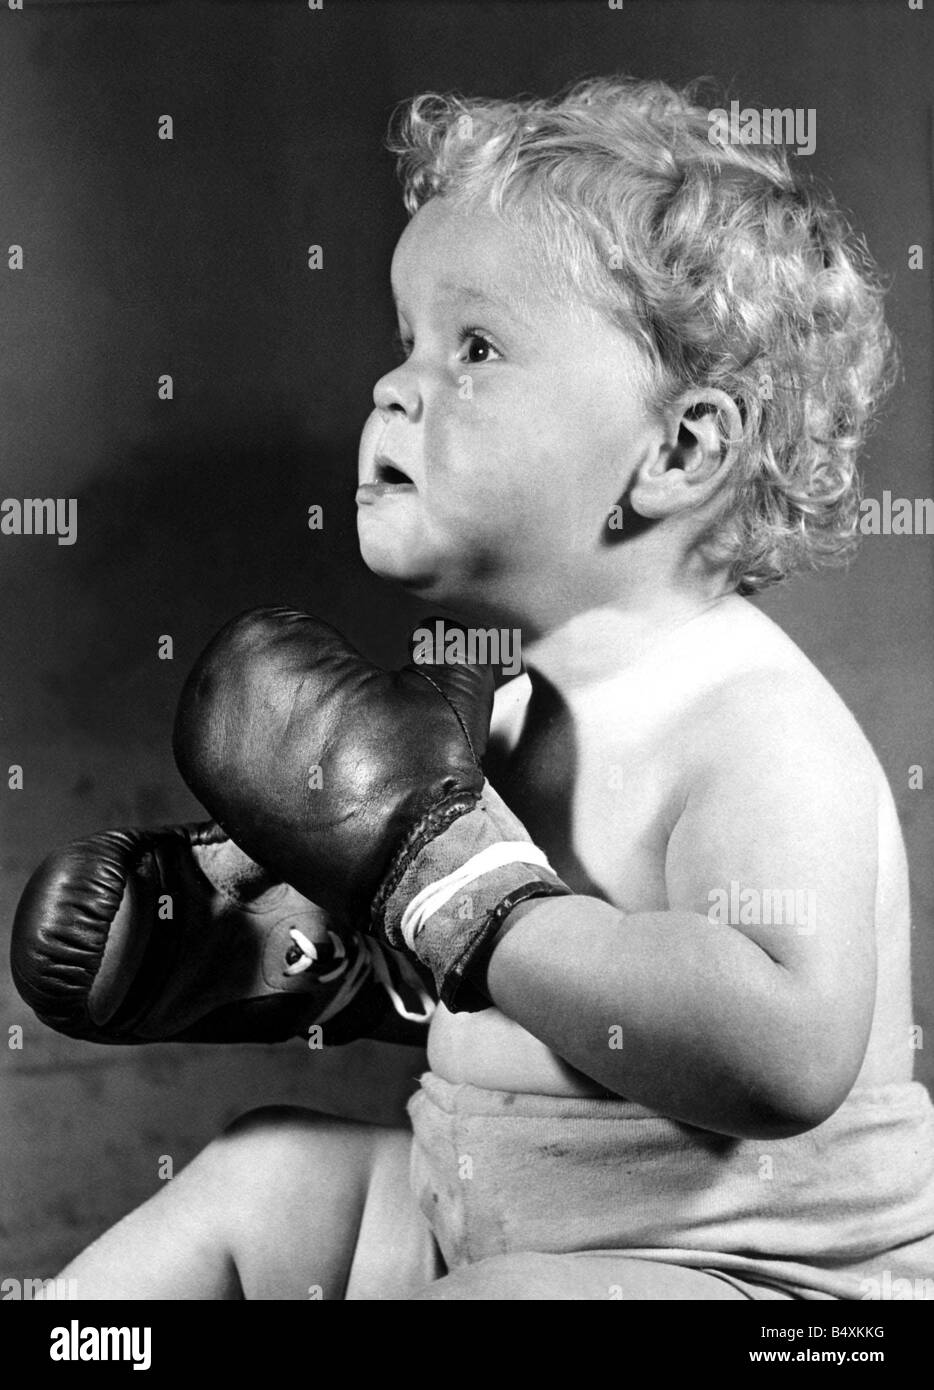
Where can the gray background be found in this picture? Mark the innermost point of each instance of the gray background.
(144, 257)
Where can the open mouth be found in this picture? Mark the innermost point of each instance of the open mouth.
(390, 474)
(389, 480)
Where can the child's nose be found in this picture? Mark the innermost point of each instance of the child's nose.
(397, 393)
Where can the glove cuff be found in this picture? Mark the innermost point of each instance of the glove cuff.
(448, 896)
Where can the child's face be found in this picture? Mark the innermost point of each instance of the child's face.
(516, 418)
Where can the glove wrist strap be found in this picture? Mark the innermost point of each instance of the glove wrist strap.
(433, 897)
(449, 901)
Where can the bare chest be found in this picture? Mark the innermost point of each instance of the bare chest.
(599, 788)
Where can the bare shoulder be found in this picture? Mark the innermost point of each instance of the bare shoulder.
(782, 790)
(762, 698)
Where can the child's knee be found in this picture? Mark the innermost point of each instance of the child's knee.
(295, 1186)
(288, 1144)
(269, 1124)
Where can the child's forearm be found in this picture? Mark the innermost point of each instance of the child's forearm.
(666, 1009)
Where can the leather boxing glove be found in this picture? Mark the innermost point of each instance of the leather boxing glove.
(174, 935)
(362, 787)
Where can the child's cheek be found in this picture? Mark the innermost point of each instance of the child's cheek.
(492, 463)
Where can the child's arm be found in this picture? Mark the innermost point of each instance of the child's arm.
(753, 1030)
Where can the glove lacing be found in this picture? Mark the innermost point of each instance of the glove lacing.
(310, 953)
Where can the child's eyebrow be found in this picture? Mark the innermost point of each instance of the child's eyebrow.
(473, 294)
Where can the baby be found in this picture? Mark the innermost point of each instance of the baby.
(637, 365)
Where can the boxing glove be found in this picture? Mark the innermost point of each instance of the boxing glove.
(362, 787)
(173, 935)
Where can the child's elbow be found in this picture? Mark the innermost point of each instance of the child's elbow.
(787, 1121)
(798, 1105)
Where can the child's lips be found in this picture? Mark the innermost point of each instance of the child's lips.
(389, 479)
(368, 493)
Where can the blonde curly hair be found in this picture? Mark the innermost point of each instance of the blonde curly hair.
(731, 268)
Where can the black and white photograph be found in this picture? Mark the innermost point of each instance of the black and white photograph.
(466, 729)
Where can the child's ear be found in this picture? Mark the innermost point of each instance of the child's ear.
(704, 430)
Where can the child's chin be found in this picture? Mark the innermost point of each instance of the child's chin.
(392, 561)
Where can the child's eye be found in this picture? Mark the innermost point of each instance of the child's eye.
(478, 342)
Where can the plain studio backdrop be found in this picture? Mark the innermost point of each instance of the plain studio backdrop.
(190, 257)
